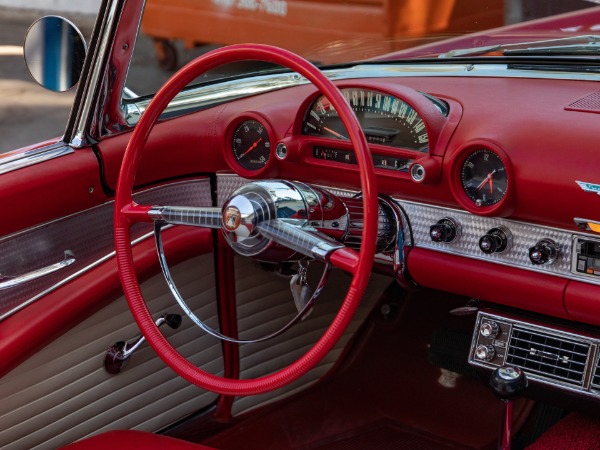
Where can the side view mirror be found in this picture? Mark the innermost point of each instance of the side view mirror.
(54, 52)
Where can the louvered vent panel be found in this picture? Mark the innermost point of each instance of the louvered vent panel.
(549, 356)
(596, 378)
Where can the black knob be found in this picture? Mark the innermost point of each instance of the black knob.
(507, 382)
(445, 231)
(544, 252)
(495, 241)
(173, 320)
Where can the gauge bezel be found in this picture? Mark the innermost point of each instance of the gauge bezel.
(433, 120)
(270, 167)
(505, 206)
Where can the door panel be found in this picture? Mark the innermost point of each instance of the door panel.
(63, 392)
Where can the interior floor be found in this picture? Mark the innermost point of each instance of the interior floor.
(403, 383)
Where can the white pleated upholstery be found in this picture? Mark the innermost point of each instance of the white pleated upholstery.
(63, 393)
(265, 302)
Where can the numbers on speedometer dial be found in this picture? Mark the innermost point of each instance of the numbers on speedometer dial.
(385, 120)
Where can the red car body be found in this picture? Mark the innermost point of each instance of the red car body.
(469, 185)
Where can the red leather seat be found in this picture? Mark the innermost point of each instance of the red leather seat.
(129, 440)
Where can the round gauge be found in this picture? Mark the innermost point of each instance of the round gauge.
(385, 120)
(251, 145)
(483, 177)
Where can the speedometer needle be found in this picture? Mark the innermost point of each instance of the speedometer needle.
(335, 133)
(252, 147)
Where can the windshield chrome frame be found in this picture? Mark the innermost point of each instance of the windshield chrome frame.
(99, 107)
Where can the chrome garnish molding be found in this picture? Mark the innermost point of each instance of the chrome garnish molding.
(524, 236)
(20, 159)
(87, 235)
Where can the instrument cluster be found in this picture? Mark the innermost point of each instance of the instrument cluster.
(407, 132)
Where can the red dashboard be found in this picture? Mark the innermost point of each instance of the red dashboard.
(502, 158)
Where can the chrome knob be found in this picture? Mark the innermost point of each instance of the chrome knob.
(496, 240)
(446, 230)
(485, 352)
(544, 252)
(489, 329)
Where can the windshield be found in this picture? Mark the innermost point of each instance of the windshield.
(173, 32)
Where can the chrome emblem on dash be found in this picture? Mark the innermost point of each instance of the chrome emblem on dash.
(589, 187)
(231, 218)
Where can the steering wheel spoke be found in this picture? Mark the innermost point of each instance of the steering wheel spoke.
(135, 213)
(195, 216)
(307, 241)
(346, 259)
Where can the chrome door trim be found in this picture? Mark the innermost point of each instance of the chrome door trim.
(7, 282)
(20, 159)
(88, 234)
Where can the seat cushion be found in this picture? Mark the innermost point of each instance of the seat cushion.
(129, 440)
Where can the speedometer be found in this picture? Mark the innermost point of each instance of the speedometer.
(385, 119)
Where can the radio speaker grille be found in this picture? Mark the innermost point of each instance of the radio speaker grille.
(548, 356)
(589, 103)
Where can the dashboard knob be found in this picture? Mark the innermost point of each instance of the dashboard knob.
(446, 230)
(496, 240)
(544, 252)
(485, 352)
(489, 329)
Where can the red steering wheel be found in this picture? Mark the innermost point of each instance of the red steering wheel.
(127, 212)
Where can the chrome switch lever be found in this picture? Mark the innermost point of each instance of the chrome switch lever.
(116, 357)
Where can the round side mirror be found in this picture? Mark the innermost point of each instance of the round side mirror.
(54, 52)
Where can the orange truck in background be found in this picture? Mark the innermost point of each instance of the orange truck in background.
(326, 31)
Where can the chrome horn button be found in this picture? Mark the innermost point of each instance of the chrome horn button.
(239, 217)
(257, 202)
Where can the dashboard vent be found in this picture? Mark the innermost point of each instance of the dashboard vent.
(549, 356)
(596, 377)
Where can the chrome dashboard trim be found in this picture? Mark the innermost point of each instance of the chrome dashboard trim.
(473, 227)
(207, 96)
(422, 216)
